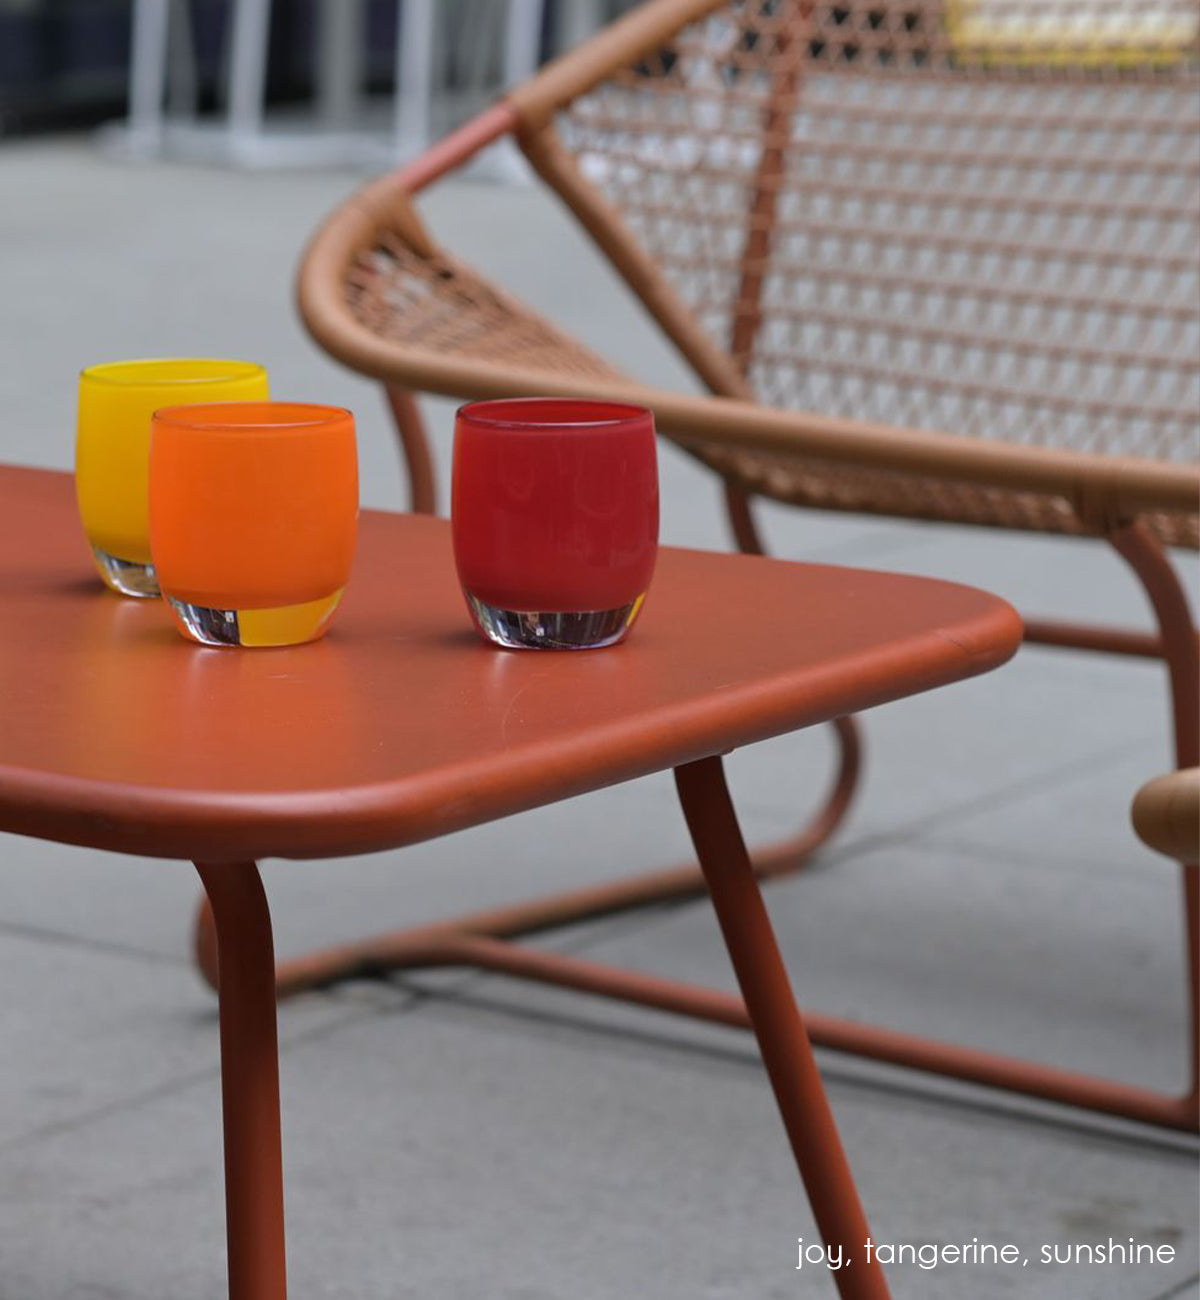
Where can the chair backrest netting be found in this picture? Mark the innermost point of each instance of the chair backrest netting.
(973, 215)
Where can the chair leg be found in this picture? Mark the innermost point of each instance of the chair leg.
(741, 520)
(1191, 904)
(1138, 546)
(783, 1041)
(410, 425)
(249, 1081)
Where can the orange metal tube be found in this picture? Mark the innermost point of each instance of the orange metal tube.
(455, 148)
(1181, 650)
(910, 1051)
(444, 945)
(771, 1007)
(455, 944)
(410, 426)
(1081, 636)
(249, 1081)
(740, 515)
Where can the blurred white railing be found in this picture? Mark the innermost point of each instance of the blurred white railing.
(339, 130)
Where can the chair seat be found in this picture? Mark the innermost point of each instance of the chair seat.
(443, 306)
(437, 303)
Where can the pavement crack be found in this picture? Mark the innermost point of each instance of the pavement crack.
(1064, 773)
(1181, 1288)
(86, 943)
(171, 1087)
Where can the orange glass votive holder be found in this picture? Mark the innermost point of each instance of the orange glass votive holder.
(253, 518)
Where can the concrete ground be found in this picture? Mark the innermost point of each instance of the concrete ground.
(459, 1136)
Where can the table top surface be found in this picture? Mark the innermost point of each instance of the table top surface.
(402, 724)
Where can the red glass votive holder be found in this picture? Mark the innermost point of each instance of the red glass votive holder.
(555, 519)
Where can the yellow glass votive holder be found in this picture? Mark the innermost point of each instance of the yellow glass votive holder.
(112, 450)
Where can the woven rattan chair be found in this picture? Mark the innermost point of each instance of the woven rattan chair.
(934, 259)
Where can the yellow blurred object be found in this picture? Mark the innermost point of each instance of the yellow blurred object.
(1072, 33)
(112, 449)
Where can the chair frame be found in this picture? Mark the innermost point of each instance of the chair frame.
(1109, 495)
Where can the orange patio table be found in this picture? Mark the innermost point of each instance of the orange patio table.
(402, 725)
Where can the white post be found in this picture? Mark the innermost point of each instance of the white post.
(414, 77)
(522, 46)
(148, 73)
(523, 41)
(182, 73)
(340, 38)
(580, 18)
(248, 72)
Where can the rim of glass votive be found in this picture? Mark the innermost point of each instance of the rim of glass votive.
(162, 372)
(537, 412)
(242, 417)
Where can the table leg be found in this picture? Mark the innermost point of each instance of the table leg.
(782, 1039)
(249, 1081)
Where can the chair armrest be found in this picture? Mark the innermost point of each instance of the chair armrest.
(1105, 491)
(1166, 814)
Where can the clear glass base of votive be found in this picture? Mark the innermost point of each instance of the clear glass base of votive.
(128, 577)
(530, 630)
(282, 626)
